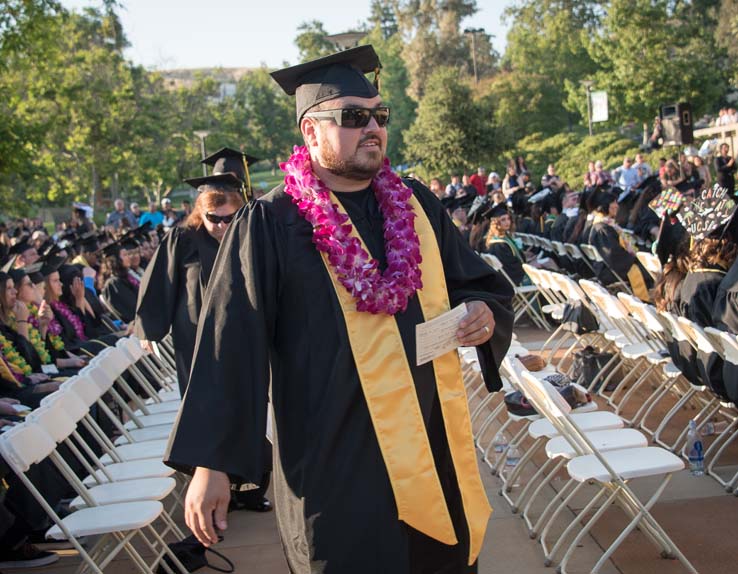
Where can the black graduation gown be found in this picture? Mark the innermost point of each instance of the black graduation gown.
(171, 293)
(725, 307)
(671, 237)
(558, 228)
(605, 238)
(270, 302)
(725, 317)
(121, 295)
(696, 302)
(511, 263)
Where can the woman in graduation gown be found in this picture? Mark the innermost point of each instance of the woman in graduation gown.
(175, 280)
(500, 244)
(709, 260)
(120, 287)
(615, 248)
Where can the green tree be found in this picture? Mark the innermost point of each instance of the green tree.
(643, 65)
(726, 33)
(546, 54)
(452, 130)
(384, 16)
(311, 41)
(433, 35)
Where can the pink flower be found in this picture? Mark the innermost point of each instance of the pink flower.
(375, 292)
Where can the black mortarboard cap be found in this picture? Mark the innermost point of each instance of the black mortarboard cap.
(111, 249)
(34, 272)
(20, 247)
(334, 76)
(453, 203)
(88, 242)
(497, 211)
(228, 160)
(223, 181)
(708, 212)
(51, 264)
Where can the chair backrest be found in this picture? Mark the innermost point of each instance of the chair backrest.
(728, 341)
(560, 249)
(651, 263)
(492, 261)
(84, 386)
(675, 329)
(697, 336)
(131, 348)
(113, 361)
(100, 377)
(24, 445)
(590, 251)
(70, 402)
(573, 251)
(54, 419)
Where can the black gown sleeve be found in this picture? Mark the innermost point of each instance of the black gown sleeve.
(121, 296)
(158, 293)
(606, 240)
(469, 278)
(725, 307)
(510, 262)
(229, 380)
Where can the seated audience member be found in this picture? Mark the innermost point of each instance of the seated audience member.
(511, 184)
(42, 329)
(119, 286)
(501, 244)
(616, 248)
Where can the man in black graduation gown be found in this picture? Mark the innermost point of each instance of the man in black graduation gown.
(272, 314)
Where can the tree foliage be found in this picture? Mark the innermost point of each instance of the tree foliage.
(452, 131)
(311, 41)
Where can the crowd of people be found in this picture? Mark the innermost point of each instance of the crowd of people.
(67, 296)
(614, 212)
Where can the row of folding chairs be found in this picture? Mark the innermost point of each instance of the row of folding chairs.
(126, 495)
(590, 445)
(639, 380)
(588, 255)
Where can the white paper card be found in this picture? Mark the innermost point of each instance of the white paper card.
(438, 336)
(49, 369)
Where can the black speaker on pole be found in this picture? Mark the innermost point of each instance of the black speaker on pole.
(676, 124)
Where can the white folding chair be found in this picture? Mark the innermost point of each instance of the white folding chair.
(117, 525)
(524, 300)
(612, 470)
(651, 263)
(593, 254)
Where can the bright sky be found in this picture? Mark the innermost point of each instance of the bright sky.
(167, 34)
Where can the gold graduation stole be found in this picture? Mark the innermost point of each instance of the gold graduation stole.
(393, 405)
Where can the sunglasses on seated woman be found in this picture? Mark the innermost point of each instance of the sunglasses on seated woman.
(354, 117)
(216, 219)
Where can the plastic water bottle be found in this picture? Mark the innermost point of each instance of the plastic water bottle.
(500, 443)
(513, 457)
(695, 451)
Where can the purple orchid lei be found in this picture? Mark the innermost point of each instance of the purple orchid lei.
(133, 281)
(375, 292)
(63, 310)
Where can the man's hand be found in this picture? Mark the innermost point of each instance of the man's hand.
(20, 310)
(206, 503)
(147, 346)
(477, 326)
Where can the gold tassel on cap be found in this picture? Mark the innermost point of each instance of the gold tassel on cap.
(376, 77)
(247, 191)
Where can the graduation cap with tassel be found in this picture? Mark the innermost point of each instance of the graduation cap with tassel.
(230, 171)
(709, 211)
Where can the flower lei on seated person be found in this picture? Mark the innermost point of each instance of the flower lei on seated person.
(375, 291)
(54, 328)
(64, 311)
(14, 359)
(34, 336)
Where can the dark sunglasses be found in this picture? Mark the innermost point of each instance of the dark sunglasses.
(212, 218)
(354, 117)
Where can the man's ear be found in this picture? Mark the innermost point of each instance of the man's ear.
(309, 131)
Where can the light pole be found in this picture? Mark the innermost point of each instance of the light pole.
(473, 33)
(588, 88)
(202, 134)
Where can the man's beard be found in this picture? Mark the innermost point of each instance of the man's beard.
(352, 168)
